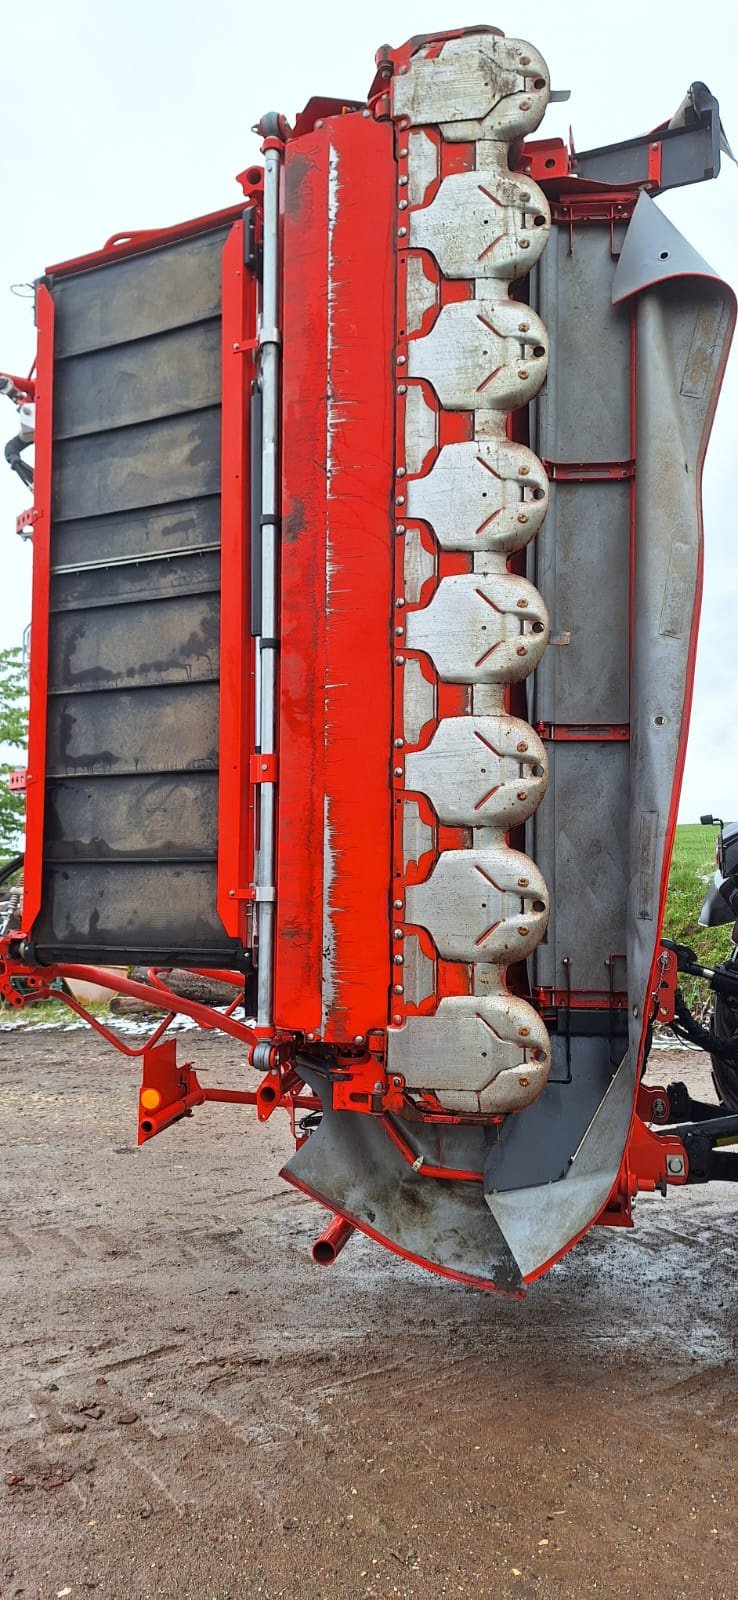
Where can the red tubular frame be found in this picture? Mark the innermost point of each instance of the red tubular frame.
(331, 1241)
(155, 995)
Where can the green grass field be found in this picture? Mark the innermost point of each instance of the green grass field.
(692, 867)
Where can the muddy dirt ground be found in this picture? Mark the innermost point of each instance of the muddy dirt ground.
(190, 1408)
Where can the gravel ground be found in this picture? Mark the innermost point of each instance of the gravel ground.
(191, 1408)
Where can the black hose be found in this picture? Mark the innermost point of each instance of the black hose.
(688, 1027)
(10, 867)
(15, 460)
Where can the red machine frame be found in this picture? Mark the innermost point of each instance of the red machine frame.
(170, 1091)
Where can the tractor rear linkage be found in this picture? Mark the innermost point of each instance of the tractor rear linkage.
(673, 1137)
(699, 1125)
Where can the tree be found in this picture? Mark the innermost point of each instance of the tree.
(13, 733)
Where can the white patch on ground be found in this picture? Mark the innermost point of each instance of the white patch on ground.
(137, 1026)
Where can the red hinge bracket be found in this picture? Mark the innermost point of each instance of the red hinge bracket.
(263, 769)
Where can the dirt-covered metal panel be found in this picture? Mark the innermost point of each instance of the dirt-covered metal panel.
(131, 787)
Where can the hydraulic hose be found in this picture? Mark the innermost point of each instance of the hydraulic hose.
(685, 1025)
(10, 867)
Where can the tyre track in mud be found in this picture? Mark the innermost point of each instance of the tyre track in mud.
(190, 1407)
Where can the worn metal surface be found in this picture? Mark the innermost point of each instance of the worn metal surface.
(484, 1054)
(480, 223)
(684, 328)
(333, 852)
(479, 86)
(481, 905)
(581, 844)
(350, 1165)
(477, 355)
(481, 771)
(580, 562)
(536, 1221)
(537, 1149)
(470, 500)
(481, 629)
(485, 495)
(613, 547)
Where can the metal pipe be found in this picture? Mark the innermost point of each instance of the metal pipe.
(154, 1122)
(269, 373)
(156, 995)
(331, 1241)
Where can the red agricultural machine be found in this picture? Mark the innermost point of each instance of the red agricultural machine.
(366, 573)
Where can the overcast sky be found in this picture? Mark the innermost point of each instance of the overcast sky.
(125, 114)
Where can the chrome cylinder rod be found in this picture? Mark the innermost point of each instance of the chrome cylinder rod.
(269, 375)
